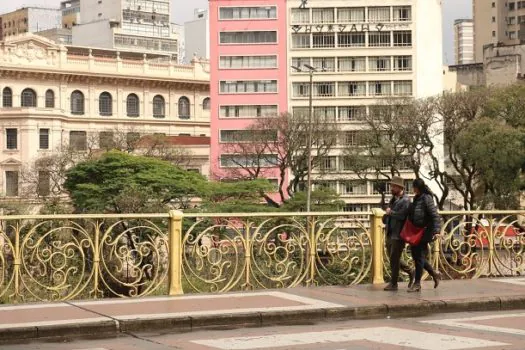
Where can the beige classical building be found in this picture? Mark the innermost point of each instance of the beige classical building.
(56, 97)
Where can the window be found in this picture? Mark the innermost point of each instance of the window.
(379, 186)
(300, 62)
(351, 113)
(11, 139)
(402, 63)
(300, 16)
(403, 38)
(50, 99)
(300, 41)
(351, 64)
(7, 97)
(493, 33)
(352, 138)
(350, 15)
(355, 208)
(248, 37)
(324, 89)
(512, 35)
(512, 6)
(263, 160)
(44, 183)
(28, 98)
(105, 140)
(159, 107)
(132, 138)
(248, 86)
(493, 19)
(323, 15)
(353, 188)
(352, 88)
(132, 105)
(378, 39)
(326, 113)
(105, 104)
(238, 62)
(247, 111)
(402, 13)
(43, 138)
(247, 135)
(512, 20)
(11, 183)
(247, 12)
(206, 104)
(356, 39)
(403, 88)
(380, 88)
(320, 40)
(184, 107)
(379, 64)
(78, 140)
(379, 14)
(325, 64)
(77, 103)
(328, 163)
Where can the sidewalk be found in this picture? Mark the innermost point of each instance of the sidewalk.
(258, 308)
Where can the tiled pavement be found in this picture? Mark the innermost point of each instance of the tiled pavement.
(261, 308)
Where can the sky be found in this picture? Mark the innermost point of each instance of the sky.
(183, 11)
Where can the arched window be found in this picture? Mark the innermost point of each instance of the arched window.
(50, 99)
(28, 98)
(132, 105)
(105, 104)
(77, 102)
(184, 107)
(7, 97)
(206, 104)
(159, 107)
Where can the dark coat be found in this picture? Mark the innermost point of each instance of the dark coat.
(395, 221)
(423, 213)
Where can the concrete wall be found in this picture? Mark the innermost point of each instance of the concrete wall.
(90, 10)
(197, 37)
(94, 34)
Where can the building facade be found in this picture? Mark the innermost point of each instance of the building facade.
(56, 97)
(70, 13)
(29, 20)
(131, 25)
(197, 35)
(464, 41)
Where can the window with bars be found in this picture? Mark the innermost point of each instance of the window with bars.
(320, 40)
(323, 15)
(402, 13)
(301, 41)
(378, 39)
(28, 98)
(248, 86)
(133, 105)
(351, 64)
(247, 111)
(356, 39)
(351, 15)
(324, 89)
(206, 104)
(77, 103)
(403, 38)
(380, 88)
(379, 14)
(78, 140)
(44, 183)
(11, 138)
(351, 113)
(300, 89)
(353, 188)
(105, 104)
(403, 88)
(159, 107)
(184, 107)
(346, 164)
(355, 208)
(352, 88)
(43, 138)
(11, 183)
(50, 99)
(300, 16)
(7, 97)
(325, 64)
(402, 63)
(105, 140)
(379, 64)
(248, 37)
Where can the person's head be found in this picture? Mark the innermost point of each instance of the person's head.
(419, 187)
(397, 186)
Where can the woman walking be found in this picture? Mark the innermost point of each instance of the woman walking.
(423, 213)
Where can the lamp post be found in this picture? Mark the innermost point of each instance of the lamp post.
(311, 71)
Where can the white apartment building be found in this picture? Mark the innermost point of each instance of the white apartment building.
(464, 41)
(197, 35)
(131, 25)
(55, 96)
(364, 51)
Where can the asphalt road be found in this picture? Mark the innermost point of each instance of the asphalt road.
(495, 330)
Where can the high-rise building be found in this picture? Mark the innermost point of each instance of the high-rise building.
(363, 53)
(136, 25)
(464, 41)
(197, 35)
(497, 21)
(29, 20)
(70, 13)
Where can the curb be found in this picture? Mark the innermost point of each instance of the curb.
(115, 327)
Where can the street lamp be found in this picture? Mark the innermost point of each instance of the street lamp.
(311, 71)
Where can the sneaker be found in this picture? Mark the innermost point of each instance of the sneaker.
(391, 287)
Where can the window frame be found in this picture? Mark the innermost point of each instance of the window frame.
(50, 98)
(43, 138)
(28, 98)
(182, 104)
(159, 107)
(77, 103)
(7, 97)
(133, 102)
(9, 139)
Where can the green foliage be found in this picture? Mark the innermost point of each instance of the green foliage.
(321, 200)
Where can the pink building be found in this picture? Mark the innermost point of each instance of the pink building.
(248, 76)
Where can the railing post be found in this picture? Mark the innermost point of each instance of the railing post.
(17, 262)
(312, 254)
(248, 255)
(377, 236)
(175, 252)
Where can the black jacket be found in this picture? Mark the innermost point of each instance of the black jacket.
(423, 213)
(395, 221)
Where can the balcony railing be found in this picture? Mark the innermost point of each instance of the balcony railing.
(64, 257)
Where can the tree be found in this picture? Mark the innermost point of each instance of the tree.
(323, 199)
(122, 183)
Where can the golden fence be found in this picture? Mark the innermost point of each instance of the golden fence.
(63, 257)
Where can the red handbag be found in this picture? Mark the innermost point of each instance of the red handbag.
(411, 233)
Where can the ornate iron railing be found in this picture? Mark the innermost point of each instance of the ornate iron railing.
(62, 257)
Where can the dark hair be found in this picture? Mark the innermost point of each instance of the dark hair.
(421, 186)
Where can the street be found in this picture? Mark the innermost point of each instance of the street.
(495, 330)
